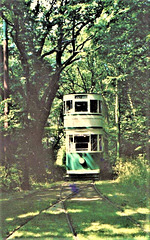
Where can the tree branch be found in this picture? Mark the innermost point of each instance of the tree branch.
(49, 53)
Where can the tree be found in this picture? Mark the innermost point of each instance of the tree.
(123, 45)
(47, 35)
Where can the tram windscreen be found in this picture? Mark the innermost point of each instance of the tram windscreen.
(81, 107)
(81, 143)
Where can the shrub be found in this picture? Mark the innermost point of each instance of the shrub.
(132, 171)
(10, 178)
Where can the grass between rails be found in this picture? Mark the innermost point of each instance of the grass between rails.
(92, 219)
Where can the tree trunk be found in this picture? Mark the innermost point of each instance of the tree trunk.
(26, 180)
(2, 97)
(117, 120)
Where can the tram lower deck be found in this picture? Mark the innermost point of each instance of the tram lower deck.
(83, 151)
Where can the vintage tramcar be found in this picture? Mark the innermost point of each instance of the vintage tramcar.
(84, 122)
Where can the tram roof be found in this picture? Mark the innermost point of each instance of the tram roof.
(82, 94)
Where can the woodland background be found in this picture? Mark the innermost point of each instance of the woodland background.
(70, 46)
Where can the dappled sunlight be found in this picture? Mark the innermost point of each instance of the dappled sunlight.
(29, 214)
(110, 195)
(56, 209)
(4, 199)
(127, 212)
(41, 235)
(85, 199)
(75, 211)
(112, 229)
(24, 234)
(143, 210)
(9, 219)
(147, 227)
(119, 194)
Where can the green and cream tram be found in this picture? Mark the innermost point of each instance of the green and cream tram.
(84, 125)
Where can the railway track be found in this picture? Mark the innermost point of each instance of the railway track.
(41, 211)
(65, 195)
(104, 198)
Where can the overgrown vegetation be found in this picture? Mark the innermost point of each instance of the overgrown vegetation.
(133, 172)
(133, 176)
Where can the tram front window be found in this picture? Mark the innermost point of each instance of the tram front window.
(81, 107)
(81, 143)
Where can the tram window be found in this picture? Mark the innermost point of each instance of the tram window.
(81, 143)
(100, 142)
(100, 107)
(93, 106)
(70, 142)
(81, 107)
(70, 138)
(64, 107)
(94, 142)
(68, 105)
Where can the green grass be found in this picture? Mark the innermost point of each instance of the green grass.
(100, 220)
(17, 208)
(92, 219)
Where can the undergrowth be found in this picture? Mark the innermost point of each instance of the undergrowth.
(133, 173)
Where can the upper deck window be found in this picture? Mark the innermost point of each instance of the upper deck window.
(100, 107)
(68, 106)
(81, 107)
(93, 106)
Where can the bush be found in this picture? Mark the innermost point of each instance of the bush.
(132, 171)
(10, 178)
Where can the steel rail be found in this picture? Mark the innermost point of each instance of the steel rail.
(69, 220)
(116, 206)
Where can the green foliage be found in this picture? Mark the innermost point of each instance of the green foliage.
(133, 172)
(10, 178)
(61, 154)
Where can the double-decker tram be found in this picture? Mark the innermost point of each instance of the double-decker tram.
(84, 127)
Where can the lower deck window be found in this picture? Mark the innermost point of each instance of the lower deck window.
(81, 146)
(81, 143)
(94, 142)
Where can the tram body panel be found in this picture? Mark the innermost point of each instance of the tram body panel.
(83, 120)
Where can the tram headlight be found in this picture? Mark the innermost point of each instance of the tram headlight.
(81, 160)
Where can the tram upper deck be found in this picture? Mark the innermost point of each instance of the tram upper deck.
(83, 110)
